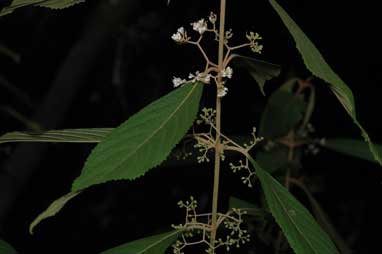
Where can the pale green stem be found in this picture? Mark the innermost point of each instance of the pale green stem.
(218, 126)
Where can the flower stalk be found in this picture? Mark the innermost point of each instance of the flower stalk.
(218, 144)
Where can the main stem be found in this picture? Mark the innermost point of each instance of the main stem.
(215, 196)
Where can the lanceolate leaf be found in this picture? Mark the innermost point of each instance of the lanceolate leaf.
(53, 209)
(352, 147)
(59, 4)
(282, 112)
(144, 140)
(156, 244)
(53, 4)
(239, 203)
(324, 221)
(249, 208)
(261, 71)
(273, 159)
(5, 248)
(300, 228)
(58, 136)
(315, 62)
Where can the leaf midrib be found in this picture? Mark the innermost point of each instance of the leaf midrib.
(157, 130)
(160, 127)
(159, 241)
(290, 218)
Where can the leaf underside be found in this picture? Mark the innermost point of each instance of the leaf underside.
(316, 63)
(52, 4)
(260, 71)
(93, 135)
(304, 235)
(52, 210)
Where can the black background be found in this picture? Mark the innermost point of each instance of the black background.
(95, 64)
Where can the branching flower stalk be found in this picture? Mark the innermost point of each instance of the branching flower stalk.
(197, 229)
(216, 73)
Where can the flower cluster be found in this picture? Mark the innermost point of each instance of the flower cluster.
(222, 91)
(202, 77)
(198, 76)
(253, 42)
(207, 116)
(247, 180)
(227, 72)
(178, 81)
(197, 229)
(254, 140)
(200, 26)
(180, 36)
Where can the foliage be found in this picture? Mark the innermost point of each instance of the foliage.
(5, 248)
(52, 4)
(315, 62)
(155, 130)
(146, 139)
(156, 244)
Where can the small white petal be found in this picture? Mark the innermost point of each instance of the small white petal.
(227, 73)
(178, 81)
(212, 17)
(180, 35)
(176, 37)
(181, 30)
(222, 91)
(200, 26)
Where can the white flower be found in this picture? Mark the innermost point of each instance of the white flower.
(178, 81)
(212, 17)
(222, 91)
(205, 78)
(200, 26)
(192, 76)
(180, 36)
(227, 72)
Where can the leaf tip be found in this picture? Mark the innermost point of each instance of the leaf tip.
(52, 210)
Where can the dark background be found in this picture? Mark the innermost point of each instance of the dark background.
(97, 63)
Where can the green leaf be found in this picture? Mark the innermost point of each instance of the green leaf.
(282, 112)
(273, 159)
(144, 140)
(94, 135)
(304, 235)
(52, 4)
(261, 71)
(156, 244)
(323, 220)
(52, 210)
(239, 203)
(352, 147)
(6, 248)
(316, 63)
(250, 208)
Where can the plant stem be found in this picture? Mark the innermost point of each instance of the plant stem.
(218, 125)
